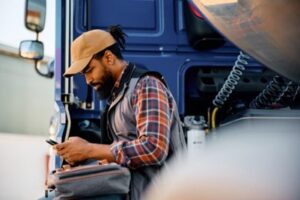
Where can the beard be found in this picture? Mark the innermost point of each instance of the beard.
(106, 88)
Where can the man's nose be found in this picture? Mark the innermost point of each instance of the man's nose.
(88, 79)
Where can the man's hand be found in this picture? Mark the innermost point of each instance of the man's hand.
(74, 150)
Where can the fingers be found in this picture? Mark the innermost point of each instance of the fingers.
(68, 160)
(62, 149)
(74, 138)
(58, 147)
(65, 154)
(66, 144)
(71, 163)
(72, 150)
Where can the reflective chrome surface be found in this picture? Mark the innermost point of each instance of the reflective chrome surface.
(268, 30)
(35, 15)
(31, 49)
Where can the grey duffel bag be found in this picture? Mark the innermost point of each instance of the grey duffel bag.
(90, 181)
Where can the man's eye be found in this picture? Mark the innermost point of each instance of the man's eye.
(87, 70)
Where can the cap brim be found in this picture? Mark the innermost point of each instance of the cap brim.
(77, 67)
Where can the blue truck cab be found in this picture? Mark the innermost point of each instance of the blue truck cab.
(194, 65)
(196, 57)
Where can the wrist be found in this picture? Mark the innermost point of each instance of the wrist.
(91, 151)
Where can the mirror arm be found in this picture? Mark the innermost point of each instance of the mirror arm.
(49, 75)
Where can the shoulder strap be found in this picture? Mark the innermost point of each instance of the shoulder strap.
(140, 73)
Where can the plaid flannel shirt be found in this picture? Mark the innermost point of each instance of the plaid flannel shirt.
(153, 105)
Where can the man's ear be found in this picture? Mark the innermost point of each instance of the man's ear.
(109, 57)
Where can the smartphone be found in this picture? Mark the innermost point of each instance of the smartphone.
(51, 142)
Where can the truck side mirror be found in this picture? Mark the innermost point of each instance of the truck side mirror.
(34, 50)
(31, 49)
(35, 15)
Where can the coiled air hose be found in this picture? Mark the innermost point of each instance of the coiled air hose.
(278, 93)
(289, 95)
(229, 85)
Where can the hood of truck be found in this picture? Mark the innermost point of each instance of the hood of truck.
(268, 31)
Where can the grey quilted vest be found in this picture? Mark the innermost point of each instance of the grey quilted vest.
(122, 126)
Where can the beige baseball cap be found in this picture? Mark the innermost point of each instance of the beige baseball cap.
(85, 47)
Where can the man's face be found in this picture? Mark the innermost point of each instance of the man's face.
(99, 77)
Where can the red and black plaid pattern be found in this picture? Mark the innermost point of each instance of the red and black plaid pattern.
(153, 105)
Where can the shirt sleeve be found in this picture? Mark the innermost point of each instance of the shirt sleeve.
(153, 113)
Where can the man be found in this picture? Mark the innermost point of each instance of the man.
(142, 120)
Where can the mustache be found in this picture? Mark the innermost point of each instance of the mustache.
(93, 84)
